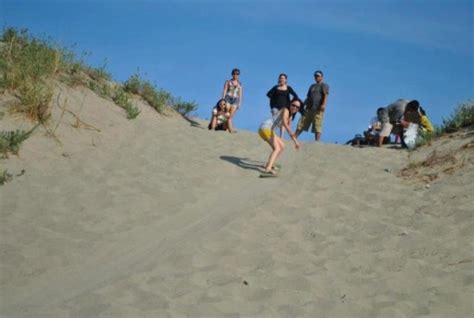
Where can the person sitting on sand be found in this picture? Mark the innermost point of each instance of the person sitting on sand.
(267, 132)
(375, 127)
(220, 116)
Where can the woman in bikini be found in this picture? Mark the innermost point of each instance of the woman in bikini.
(233, 96)
(267, 132)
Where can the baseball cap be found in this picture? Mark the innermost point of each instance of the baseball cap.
(318, 73)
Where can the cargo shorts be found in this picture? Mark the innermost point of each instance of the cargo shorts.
(311, 117)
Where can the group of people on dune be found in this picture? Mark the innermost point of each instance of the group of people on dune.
(284, 104)
(404, 119)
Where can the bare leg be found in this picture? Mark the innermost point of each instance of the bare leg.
(278, 146)
(317, 136)
(213, 123)
(232, 110)
(380, 141)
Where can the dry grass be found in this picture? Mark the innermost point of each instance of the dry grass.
(438, 164)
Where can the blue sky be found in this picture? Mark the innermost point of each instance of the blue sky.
(372, 52)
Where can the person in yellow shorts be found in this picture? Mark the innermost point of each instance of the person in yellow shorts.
(315, 107)
(267, 132)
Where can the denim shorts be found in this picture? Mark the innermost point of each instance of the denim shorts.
(233, 101)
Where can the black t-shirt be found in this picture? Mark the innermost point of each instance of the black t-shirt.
(280, 98)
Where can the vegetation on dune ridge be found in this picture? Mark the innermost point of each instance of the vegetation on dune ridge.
(461, 117)
(122, 98)
(157, 97)
(28, 65)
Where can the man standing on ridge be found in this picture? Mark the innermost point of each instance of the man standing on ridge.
(315, 106)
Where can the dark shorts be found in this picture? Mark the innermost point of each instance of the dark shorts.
(233, 101)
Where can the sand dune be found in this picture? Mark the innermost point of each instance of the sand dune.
(156, 217)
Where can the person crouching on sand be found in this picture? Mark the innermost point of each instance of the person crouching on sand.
(267, 132)
(220, 116)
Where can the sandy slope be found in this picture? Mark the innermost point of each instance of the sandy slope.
(157, 218)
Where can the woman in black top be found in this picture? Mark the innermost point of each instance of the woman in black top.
(280, 96)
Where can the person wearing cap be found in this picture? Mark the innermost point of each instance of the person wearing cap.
(315, 102)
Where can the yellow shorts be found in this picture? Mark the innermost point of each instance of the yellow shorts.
(314, 118)
(266, 134)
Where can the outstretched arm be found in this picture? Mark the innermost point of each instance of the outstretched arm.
(287, 125)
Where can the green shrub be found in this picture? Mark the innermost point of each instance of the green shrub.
(155, 97)
(5, 177)
(133, 84)
(184, 108)
(98, 73)
(34, 100)
(26, 66)
(73, 69)
(26, 59)
(132, 111)
(122, 99)
(101, 88)
(462, 116)
(10, 141)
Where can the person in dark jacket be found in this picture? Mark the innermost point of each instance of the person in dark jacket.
(280, 96)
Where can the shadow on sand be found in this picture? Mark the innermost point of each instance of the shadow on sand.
(193, 123)
(244, 163)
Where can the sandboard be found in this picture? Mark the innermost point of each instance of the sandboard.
(268, 175)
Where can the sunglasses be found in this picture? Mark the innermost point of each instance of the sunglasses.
(236, 74)
(295, 106)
